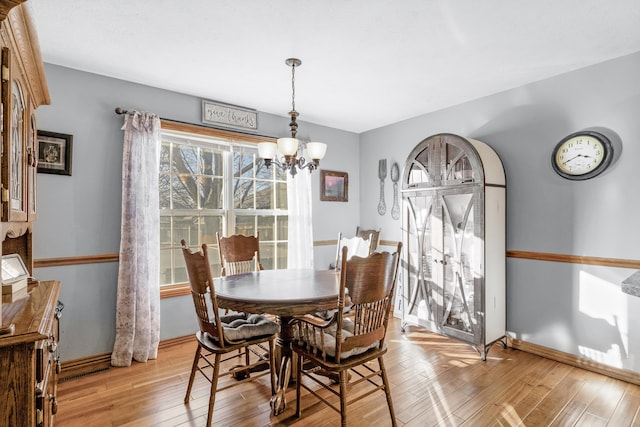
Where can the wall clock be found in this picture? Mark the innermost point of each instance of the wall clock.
(582, 155)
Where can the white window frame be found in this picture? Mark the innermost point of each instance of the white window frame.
(230, 142)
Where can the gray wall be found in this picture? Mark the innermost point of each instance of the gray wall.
(577, 309)
(80, 215)
(572, 308)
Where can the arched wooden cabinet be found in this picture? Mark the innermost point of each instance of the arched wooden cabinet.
(28, 344)
(453, 197)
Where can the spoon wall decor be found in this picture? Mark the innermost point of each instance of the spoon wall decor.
(395, 176)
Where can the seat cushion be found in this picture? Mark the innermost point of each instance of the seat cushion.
(328, 314)
(330, 340)
(242, 326)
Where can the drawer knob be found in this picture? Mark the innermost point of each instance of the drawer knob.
(59, 309)
(54, 404)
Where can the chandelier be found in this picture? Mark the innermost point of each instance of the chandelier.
(284, 154)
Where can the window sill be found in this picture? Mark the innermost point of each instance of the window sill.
(175, 290)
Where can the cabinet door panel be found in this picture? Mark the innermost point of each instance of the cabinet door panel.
(32, 164)
(421, 277)
(17, 167)
(461, 250)
(14, 192)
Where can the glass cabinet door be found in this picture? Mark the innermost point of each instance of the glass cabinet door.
(17, 202)
(421, 275)
(14, 194)
(32, 165)
(460, 254)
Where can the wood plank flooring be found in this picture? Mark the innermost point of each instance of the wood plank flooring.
(436, 381)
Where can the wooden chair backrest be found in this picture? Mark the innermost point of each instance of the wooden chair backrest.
(370, 282)
(239, 254)
(356, 246)
(201, 283)
(375, 237)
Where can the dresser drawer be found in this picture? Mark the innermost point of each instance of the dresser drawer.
(46, 402)
(46, 353)
(47, 370)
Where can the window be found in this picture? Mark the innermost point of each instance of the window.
(213, 181)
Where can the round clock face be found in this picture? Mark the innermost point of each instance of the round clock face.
(582, 155)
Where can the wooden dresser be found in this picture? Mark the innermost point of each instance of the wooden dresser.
(29, 362)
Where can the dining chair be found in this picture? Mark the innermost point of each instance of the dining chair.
(221, 335)
(239, 254)
(346, 345)
(356, 246)
(374, 237)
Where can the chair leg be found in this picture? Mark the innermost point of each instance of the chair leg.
(194, 367)
(387, 391)
(344, 375)
(298, 387)
(246, 360)
(214, 386)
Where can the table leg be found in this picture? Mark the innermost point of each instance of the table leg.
(283, 341)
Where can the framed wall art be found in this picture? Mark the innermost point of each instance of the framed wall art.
(54, 152)
(334, 186)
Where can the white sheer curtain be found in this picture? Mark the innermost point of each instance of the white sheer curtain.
(138, 299)
(300, 224)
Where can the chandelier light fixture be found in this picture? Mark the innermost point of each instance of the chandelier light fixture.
(284, 154)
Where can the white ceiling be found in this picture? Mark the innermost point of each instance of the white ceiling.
(365, 63)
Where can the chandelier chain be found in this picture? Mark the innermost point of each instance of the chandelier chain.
(293, 87)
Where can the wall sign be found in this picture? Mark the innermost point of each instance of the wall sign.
(216, 113)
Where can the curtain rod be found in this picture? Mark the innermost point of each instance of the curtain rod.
(120, 111)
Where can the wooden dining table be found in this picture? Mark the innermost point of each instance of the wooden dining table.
(285, 294)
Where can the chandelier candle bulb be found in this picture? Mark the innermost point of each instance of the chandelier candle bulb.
(267, 150)
(316, 150)
(288, 146)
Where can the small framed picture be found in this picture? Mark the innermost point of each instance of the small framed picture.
(334, 186)
(54, 152)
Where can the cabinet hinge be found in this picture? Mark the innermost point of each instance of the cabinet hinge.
(5, 195)
(5, 73)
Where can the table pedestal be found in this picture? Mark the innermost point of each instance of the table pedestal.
(285, 337)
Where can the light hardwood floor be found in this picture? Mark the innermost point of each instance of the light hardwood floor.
(435, 381)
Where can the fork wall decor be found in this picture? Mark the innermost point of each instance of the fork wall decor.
(382, 174)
